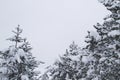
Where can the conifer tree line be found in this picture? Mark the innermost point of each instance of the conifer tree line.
(98, 60)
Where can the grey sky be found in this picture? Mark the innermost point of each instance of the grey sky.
(49, 25)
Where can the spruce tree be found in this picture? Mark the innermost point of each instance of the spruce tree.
(66, 66)
(17, 62)
(105, 47)
(70, 66)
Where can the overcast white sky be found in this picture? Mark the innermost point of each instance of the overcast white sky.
(49, 25)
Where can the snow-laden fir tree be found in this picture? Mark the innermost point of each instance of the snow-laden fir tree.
(71, 66)
(105, 46)
(66, 66)
(17, 62)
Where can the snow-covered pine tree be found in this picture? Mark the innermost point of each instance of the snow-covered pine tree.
(104, 47)
(17, 62)
(66, 66)
(71, 66)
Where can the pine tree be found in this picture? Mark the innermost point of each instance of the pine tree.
(66, 65)
(71, 66)
(17, 62)
(105, 50)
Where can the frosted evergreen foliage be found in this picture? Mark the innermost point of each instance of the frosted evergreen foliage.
(100, 59)
(17, 62)
(112, 5)
(106, 50)
(71, 66)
